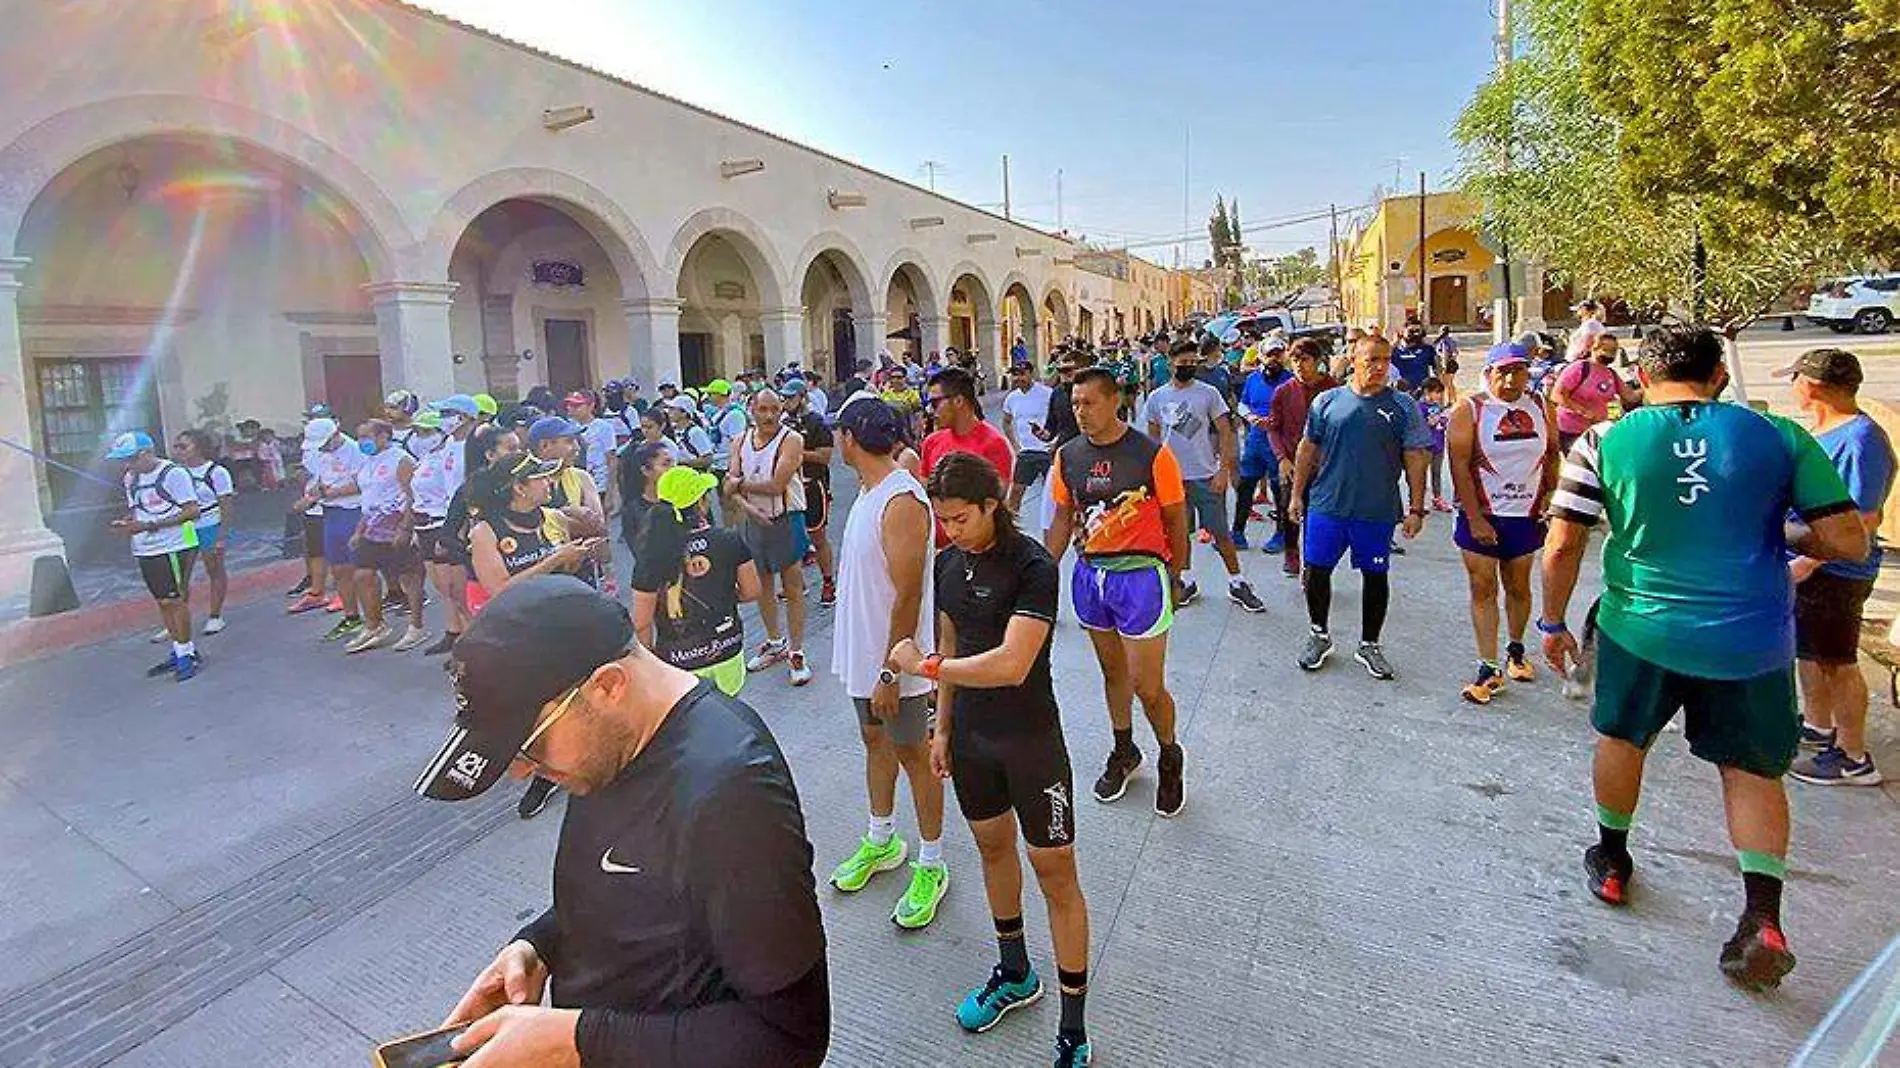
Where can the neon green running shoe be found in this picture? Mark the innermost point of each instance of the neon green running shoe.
(869, 860)
(918, 906)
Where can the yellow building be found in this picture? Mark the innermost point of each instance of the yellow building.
(1381, 267)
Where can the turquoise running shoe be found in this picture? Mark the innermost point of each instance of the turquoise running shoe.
(1072, 1052)
(983, 1007)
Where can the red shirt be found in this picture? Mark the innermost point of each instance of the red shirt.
(983, 440)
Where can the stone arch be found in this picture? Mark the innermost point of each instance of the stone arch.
(857, 277)
(36, 159)
(591, 209)
(1017, 287)
(747, 238)
(1056, 304)
(915, 268)
(986, 307)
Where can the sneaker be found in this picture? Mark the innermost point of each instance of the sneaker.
(214, 625)
(1609, 877)
(184, 668)
(867, 860)
(769, 653)
(828, 593)
(163, 667)
(1814, 739)
(535, 798)
(1371, 656)
(918, 906)
(1397, 549)
(1170, 782)
(442, 644)
(801, 671)
(1275, 545)
(1487, 683)
(1242, 594)
(345, 627)
(160, 636)
(411, 638)
(368, 638)
(1073, 1052)
(1240, 540)
(1833, 767)
(302, 587)
(1516, 665)
(1318, 647)
(1439, 504)
(334, 604)
(1757, 956)
(307, 603)
(1290, 567)
(1186, 592)
(1114, 781)
(984, 1007)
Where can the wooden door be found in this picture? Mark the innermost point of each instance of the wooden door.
(1448, 300)
(567, 356)
(353, 387)
(695, 360)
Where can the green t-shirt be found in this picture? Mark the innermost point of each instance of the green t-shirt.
(1695, 573)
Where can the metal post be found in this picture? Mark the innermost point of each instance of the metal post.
(1422, 315)
(1005, 185)
(1059, 226)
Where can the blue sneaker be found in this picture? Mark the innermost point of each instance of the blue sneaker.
(1814, 739)
(1240, 540)
(982, 1008)
(1275, 545)
(185, 667)
(1072, 1052)
(1833, 767)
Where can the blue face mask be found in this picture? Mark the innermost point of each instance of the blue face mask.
(368, 447)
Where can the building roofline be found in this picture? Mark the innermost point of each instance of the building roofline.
(626, 83)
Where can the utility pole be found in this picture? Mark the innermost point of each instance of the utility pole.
(1005, 185)
(1423, 304)
(930, 169)
(1187, 173)
(1332, 249)
(1502, 307)
(1059, 226)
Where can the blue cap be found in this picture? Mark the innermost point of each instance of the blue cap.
(129, 444)
(457, 402)
(549, 427)
(874, 424)
(1506, 353)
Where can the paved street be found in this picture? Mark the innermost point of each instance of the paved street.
(1366, 873)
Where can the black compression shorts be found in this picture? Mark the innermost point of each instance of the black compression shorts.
(1025, 772)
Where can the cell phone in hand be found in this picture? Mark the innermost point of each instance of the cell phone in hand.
(430, 1050)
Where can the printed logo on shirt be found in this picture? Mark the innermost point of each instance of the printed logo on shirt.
(608, 865)
(1695, 483)
(468, 768)
(1516, 425)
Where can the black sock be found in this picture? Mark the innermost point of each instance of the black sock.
(1075, 993)
(1764, 896)
(1013, 951)
(1319, 596)
(1616, 844)
(1125, 740)
(1378, 594)
(1514, 650)
(352, 618)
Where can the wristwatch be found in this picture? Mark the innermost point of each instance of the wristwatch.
(1558, 627)
(886, 677)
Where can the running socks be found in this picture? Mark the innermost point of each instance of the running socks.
(929, 851)
(1075, 992)
(1319, 596)
(1012, 949)
(1762, 876)
(883, 828)
(1613, 831)
(1125, 740)
(184, 649)
(1377, 596)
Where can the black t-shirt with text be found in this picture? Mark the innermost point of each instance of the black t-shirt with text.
(811, 426)
(981, 593)
(696, 623)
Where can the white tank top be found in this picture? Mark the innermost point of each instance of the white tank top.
(757, 464)
(862, 621)
(1512, 442)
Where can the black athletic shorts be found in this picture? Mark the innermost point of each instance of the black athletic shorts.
(1827, 610)
(392, 560)
(1030, 466)
(429, 541)
(817, 506)
(313, 537)
(1025, 772)
(167, 575)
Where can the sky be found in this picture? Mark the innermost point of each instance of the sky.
(1144, 106)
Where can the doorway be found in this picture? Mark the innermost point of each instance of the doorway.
(353, 387)
(83, 404)
(567, 356)
(844, 345)
(695, 358)
(1448, 303)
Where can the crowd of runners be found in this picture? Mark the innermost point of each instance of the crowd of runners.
(1737, 544)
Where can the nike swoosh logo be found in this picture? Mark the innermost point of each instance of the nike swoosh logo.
(607, 865)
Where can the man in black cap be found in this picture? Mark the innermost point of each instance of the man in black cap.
(685, 930)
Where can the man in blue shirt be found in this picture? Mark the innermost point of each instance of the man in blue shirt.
(1359, 439)
(1257, 460)
(1829, 596)
(1415, 360)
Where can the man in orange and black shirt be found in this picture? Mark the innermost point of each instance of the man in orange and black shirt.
(1119, 495)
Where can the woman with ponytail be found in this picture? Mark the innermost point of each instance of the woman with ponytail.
(689, 580)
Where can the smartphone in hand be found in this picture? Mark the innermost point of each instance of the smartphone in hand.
(429, 1050)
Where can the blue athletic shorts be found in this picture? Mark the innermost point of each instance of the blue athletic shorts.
(1135, 603)
(1518, 535)
(208, 536)
(338, 525)
(1257, 459)
(1326, 539)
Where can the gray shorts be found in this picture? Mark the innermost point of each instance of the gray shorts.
(1206, 510)
(774, 546)
(914, 716)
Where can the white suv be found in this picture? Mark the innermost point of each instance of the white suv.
(1869, 305)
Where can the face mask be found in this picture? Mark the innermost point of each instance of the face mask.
(1184, 373)
(368, 447)
(451, 423)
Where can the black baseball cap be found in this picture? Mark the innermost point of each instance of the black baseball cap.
(1830, 367)
(874, 424)
(537, 639)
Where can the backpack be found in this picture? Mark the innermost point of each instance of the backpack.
(158, 485)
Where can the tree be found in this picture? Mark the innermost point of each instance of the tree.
(1793, 107)
(1565, 197)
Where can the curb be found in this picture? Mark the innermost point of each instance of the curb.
(32, 639)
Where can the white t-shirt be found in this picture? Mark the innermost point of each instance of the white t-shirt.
(862, 621)
(438, 475)
(337, 467)
(1583, 337)
(212, 483)
(383, 498)
(1025, 408)
(157, 496)
(309, 462)
(817, 401)
(598, 437)
(731, 423)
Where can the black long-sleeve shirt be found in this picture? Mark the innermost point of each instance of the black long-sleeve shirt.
(685, 925)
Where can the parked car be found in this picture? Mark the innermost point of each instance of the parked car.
(1869, 304)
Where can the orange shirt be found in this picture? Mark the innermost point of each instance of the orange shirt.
(1117, 492)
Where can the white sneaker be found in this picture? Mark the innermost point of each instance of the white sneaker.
(801, 671)
(411, 638)
(160, 636)
(769, 653)
(214, 625)
(370, 638)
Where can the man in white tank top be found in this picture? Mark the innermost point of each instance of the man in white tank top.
(885, 595)
(1504, 461)
(763, 479)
